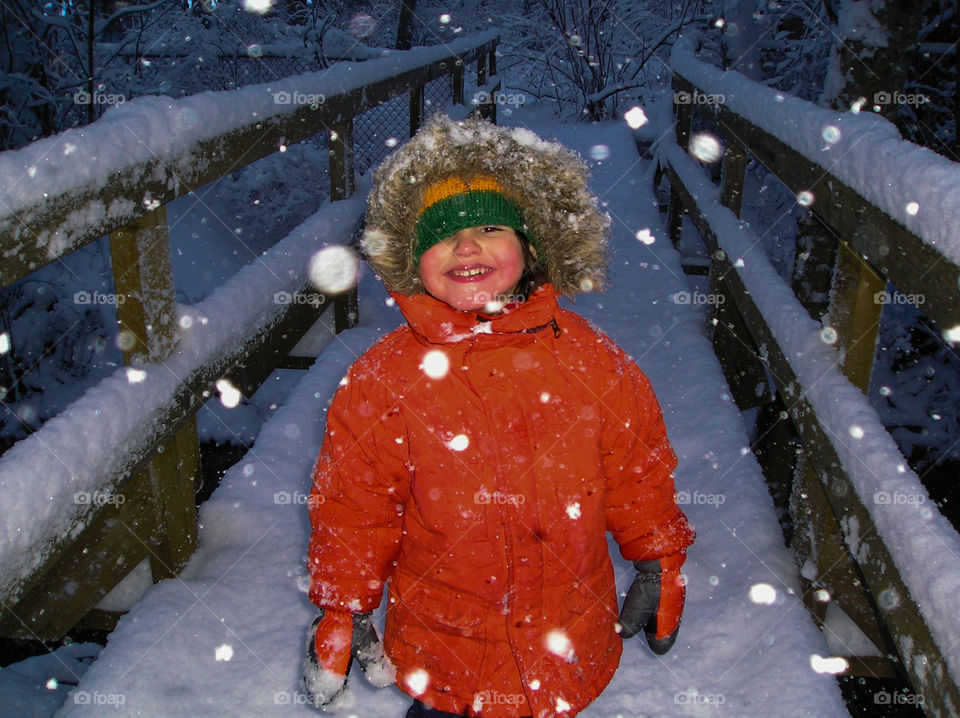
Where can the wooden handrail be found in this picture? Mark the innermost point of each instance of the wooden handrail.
(37, 232)
(53, 579)
(868, 578)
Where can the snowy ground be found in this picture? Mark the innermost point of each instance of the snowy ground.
(225, 638)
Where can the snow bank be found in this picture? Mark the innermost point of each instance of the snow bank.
(922, 543)
(915, 186)
(50, 481)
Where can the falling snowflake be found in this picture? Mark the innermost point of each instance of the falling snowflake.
(828, 335)
(573, 510)
(830, 134)
(644, 236)
(417, 681)
(559, 645)
(4, 343)
(599, 152)
(805, 198)
(229, 394)
(135, 376)
(636, 118)
(260, 7)
(362, 26)
(705, 147)
(832, 665)
(458, 443)
(435, 364)
(763, 593)
(493, 306)
(856, 432)
(223, 653)
(334, 269)
(912, 208)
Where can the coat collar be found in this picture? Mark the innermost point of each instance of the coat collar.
(439, 323)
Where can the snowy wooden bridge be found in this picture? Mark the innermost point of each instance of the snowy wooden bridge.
(222, 634)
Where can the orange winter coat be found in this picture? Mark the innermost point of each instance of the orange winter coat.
(477, 462)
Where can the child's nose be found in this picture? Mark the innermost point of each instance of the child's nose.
(464, 242)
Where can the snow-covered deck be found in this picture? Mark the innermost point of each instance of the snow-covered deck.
(226, 637)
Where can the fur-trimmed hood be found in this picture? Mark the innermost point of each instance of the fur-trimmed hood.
(547, 181)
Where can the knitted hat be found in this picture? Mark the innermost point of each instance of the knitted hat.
(453, 204)
(545, 183)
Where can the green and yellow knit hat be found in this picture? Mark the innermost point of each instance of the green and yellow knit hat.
(453, 204)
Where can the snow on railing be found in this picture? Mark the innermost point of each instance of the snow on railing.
(77, 453)
(66, 190)
(914, 185)
(922, 543)
(66, 536)
(902, 224)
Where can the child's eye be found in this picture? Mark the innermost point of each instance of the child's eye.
(491, 228)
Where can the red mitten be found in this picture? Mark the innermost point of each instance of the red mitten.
(670, 608)
(328, 658)
(654, 603)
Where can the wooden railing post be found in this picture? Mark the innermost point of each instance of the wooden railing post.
(416, 109)
(341, 187)
(457, 76)
(855, 310)
(732, 343)
(681, 90)
(481, 70)
(144, 288)
(345, 308)
(775, 447)
(341, 160)
(175, 473)
(143, 280)
(488, 109)
(819, 540)
(815, 255)
(734, 347)
(732, 174)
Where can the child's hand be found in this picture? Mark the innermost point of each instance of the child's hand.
(335, 638)
(328, 660)
(654, 603)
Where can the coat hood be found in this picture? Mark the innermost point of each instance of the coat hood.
(547, 181)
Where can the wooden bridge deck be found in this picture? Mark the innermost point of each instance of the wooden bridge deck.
(746, 644)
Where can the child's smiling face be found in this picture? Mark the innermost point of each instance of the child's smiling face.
(475, 266)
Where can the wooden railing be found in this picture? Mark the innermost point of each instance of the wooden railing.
(56, 579)
(853, 548)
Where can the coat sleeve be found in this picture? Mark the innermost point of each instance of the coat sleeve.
(360, 485)
(641, 508)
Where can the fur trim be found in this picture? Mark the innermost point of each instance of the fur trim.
(547, 181)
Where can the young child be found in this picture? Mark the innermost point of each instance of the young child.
(476, 457)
